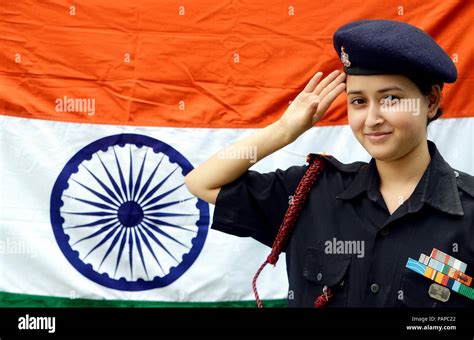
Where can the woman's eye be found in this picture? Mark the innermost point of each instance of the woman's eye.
(357, 101)
(390, 99)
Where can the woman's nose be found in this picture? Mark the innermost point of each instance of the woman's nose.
(373, 114)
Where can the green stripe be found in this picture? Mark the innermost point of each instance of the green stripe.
(12, 300)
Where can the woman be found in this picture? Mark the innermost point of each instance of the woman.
(362, 222)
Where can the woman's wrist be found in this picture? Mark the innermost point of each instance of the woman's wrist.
(286, 135)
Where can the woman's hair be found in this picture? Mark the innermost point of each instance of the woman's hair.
(424, 86)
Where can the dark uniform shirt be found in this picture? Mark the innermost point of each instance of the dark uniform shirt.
(345, 204)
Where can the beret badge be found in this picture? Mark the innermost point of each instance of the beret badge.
(345, 57)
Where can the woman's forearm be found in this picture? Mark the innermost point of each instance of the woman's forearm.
(230, 163)
(306, 109)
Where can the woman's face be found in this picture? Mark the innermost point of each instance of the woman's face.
(387, 114)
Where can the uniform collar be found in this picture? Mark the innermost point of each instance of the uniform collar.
(437, 187)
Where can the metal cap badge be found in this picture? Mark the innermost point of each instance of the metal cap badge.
(345, 58)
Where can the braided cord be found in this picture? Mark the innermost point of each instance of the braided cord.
(316, 166)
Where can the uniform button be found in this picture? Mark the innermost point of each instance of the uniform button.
(456, 174)
(319, 276)
(384, 232)
(374, 288)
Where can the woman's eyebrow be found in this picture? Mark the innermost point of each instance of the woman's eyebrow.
(385, 89)
(390, 88)
(355, 92)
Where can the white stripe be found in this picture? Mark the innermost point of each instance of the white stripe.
(35, 151)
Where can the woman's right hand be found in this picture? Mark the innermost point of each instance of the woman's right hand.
(206, 180)
(311, 104)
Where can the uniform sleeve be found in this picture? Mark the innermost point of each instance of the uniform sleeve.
(254, 204)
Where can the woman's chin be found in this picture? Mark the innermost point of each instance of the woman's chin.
(382, 152)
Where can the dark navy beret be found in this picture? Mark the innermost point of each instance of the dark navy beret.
(391, 47)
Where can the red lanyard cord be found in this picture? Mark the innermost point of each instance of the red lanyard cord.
(316, 166)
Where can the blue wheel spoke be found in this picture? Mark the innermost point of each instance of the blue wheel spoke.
(139, 248)
(112, 180)
(122, 178)
(130, 252)
(165, 205)
(103, 185)
(94, 204)
(122, 245)
(112, 245)
(98, 194)
(105, 239)
(139, 178)
(145, 240)
(166, 224)
(164, 214)
(158, 230)
(163, 195)
(91, 213)
(92, 224)
(130, 177)
(147, 183)
(153, 237)
(98, 232)
(152, 191)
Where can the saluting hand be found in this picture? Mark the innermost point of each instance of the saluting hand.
(311, 104)
(207, 179)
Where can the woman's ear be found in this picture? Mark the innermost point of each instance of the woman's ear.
(434, 100)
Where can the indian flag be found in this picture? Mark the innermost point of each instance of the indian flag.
(105, 107)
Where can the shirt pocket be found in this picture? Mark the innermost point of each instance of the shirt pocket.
(331, 270)
(414, 288)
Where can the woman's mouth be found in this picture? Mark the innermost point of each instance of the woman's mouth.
(378, 137)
